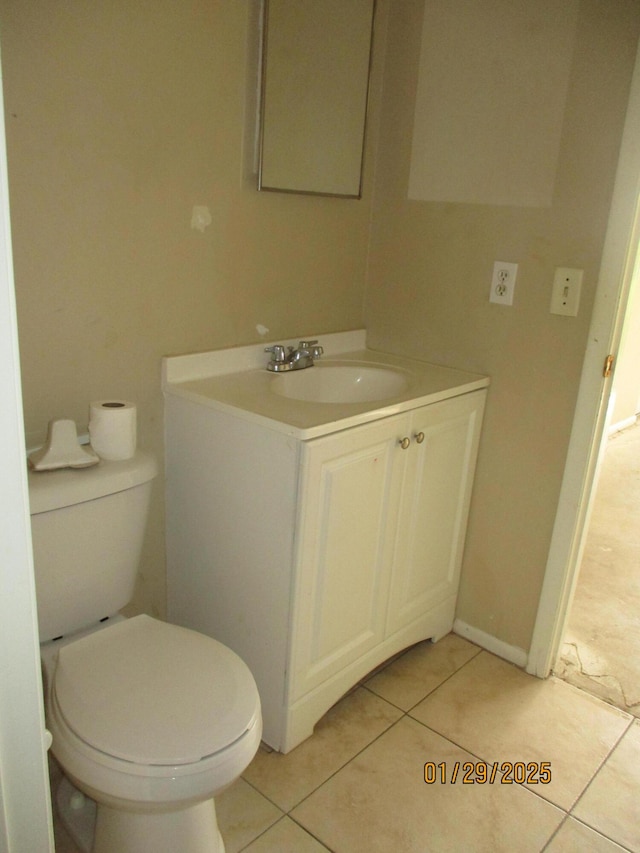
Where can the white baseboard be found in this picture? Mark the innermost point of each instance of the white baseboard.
(628, 422)
(492, 644)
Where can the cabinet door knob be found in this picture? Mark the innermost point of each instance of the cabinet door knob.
(404, 442)
(419, 437)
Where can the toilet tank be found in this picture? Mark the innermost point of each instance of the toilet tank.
(87, 527)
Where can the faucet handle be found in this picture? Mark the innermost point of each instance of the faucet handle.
(311, 348)
(278, 352)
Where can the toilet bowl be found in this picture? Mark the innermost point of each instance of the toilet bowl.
(151, 721)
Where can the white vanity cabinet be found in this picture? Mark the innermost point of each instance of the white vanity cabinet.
(380, 535)
(314, 540)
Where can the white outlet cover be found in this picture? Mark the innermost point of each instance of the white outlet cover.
(503, 282)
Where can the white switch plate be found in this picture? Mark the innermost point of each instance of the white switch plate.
(565, 297)
(503, 282)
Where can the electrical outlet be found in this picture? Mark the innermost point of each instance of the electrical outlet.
(565, 296)
(503, 283)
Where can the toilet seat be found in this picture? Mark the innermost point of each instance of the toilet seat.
(154, 694)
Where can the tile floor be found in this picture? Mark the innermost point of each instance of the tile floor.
(357, 786)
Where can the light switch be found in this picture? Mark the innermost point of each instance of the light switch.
(565, 297)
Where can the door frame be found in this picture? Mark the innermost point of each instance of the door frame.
(589, 431)
(25, 804)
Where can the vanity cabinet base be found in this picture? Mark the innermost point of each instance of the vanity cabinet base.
(264, 546)
(303, 715)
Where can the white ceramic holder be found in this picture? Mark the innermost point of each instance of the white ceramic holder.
(62, 449)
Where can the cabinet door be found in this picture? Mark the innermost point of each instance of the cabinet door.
(350, 491)
(434, 507)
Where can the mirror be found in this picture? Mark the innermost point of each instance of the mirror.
(315, 82)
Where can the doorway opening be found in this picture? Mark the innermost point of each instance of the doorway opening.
(587, 447)
(600, 651)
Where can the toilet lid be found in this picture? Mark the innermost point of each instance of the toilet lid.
(153, 693)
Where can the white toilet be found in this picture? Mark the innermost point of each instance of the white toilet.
(148, 719)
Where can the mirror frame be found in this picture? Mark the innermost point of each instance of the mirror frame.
(263, 131)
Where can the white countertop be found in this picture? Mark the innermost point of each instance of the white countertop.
(236, 381)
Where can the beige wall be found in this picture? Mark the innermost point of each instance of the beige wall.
(430, 269)
(121, 116)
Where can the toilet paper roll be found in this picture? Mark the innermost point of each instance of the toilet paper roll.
(112, 428)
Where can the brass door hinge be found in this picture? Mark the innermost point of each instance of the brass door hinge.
(608, 366)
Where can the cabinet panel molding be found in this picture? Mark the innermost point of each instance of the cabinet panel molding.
(434, 509)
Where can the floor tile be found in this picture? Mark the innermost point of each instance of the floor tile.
(575, 837)
(243, 815)
(424, 667)
(344, 730)
(286, 837)
(499, 713)
(379, 803)
(611, 804)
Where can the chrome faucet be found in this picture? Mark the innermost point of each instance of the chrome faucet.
(293, 358)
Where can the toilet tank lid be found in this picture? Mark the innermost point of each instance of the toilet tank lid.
(49, 490)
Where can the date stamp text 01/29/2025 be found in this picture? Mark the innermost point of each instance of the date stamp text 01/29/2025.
(480, 773)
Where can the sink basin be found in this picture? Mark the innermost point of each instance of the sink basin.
(340, 383)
